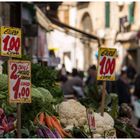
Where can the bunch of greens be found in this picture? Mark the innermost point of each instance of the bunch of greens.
(46, 77)
(8, 108)
(93, 95)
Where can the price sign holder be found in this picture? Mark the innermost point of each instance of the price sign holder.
(19, 73)
(18, 117)
(103, 98)
(10, 45)
(106, 70)
(91, 121)
(18, 120)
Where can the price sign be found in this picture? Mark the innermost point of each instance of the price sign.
(110, 133)
(10, 42)
(91, 120)
(19, 74)
(106, 64)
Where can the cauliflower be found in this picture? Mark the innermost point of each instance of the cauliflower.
(103, 123)
(72, 112)
(108, 120)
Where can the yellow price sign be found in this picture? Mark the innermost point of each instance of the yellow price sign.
(106, 64)
(10, 42)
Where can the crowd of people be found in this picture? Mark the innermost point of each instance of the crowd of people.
(73, 84)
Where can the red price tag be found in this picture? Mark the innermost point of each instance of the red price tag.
(106, 64)
(10, 42)
(19, 81)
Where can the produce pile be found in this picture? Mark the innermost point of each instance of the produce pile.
(7, 124)
(73, 116)
(49, 116)
(48, 126)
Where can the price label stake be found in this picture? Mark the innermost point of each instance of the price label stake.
(91, 121)
(106, 69)
(19, 74)
(10, 42)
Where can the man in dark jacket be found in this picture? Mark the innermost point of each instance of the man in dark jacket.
(123, 88)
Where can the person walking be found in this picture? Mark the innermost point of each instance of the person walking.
(122, 87)
(92, 74)
(74, 85)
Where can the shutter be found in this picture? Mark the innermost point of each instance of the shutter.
(131, 13)
(107, 14)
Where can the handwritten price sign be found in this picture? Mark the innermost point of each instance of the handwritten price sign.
(106, 64)
(10, 42)
(91, 120)
(19, 74)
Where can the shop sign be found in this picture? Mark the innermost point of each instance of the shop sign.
(19, 81)
(106, 64)
(10, 42)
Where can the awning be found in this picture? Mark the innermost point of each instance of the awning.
(62, 25)
(129, 36)
(49, 22)
(43, 20)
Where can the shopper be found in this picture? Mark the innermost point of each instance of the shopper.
(123, 87)
(63, 74)
(92, 74)
(73, 86)
(137, 92)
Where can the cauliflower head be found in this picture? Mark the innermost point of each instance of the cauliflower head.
(103, 123)
(71, 112)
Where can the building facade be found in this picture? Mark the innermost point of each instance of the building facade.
(115, 23)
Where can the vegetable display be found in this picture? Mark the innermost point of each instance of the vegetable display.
(58, 118)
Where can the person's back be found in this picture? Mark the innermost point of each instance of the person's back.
(91, 76)
(123, 92)
(74, 81)
(123, 89)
